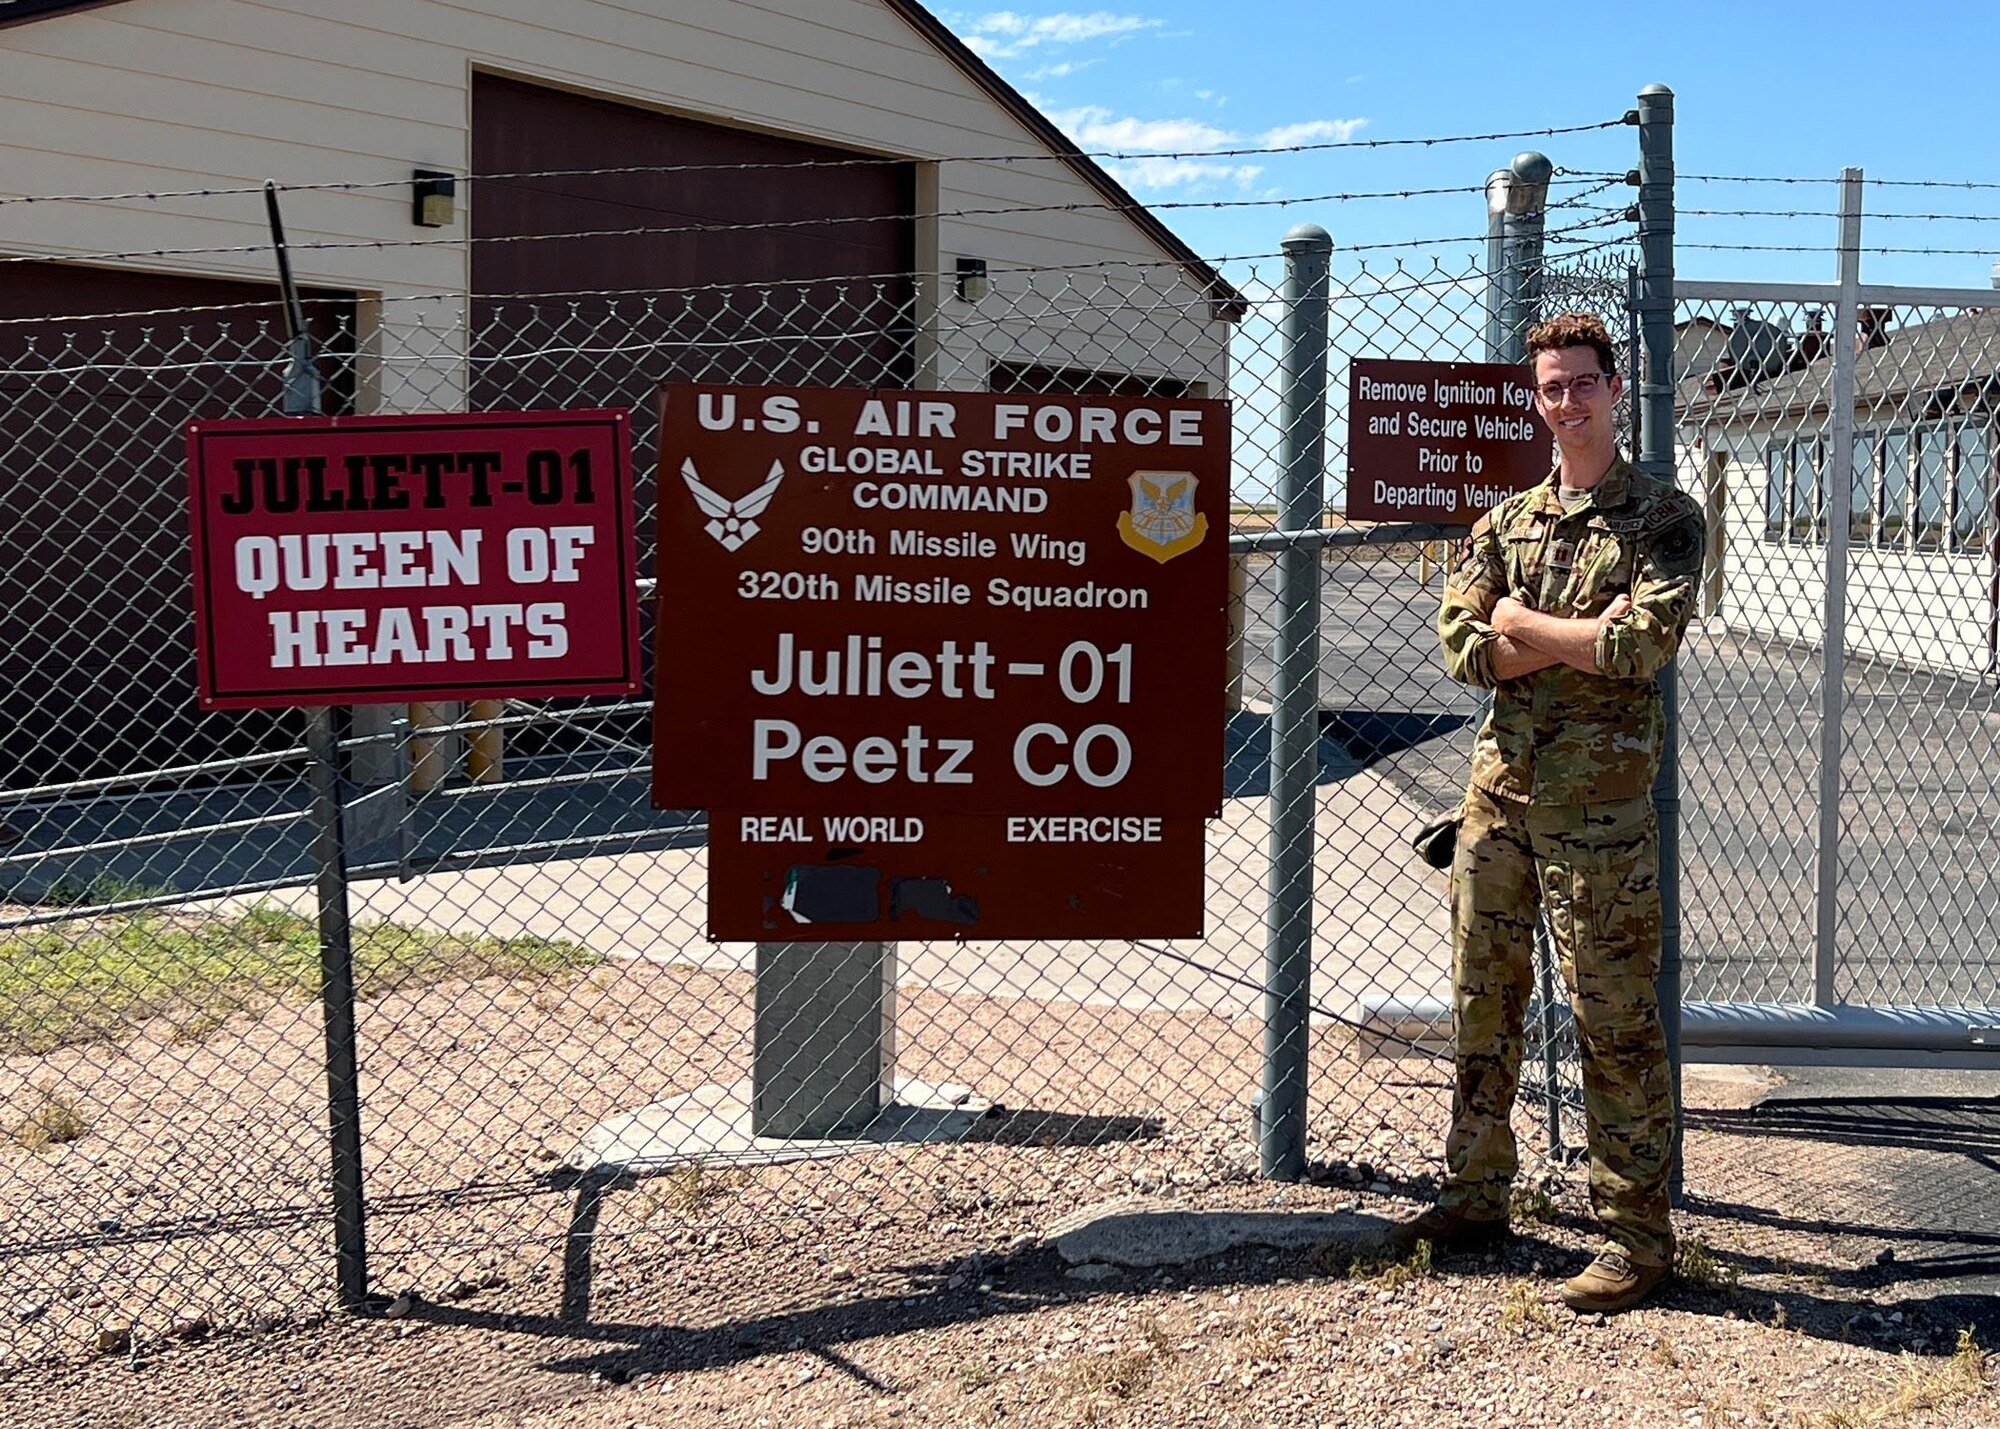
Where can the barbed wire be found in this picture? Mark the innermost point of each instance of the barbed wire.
(1963, 184)
(1585, 195)
(1931, 183)
(460, 295)
(1824, 248)
(1439, 277)
(651, 231)
(1442, 281)
(1756, 179)
(1134, 264)
(1832, 214)
(854, 161)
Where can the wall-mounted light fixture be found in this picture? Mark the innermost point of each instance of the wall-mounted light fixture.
(432, 194)
(973, 284)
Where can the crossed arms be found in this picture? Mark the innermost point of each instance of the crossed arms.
(1531, 641)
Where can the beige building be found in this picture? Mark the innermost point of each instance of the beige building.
(793, 191)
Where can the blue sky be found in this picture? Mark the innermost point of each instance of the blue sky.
(1786, 89)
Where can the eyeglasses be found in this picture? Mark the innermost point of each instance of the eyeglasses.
(1583, 388)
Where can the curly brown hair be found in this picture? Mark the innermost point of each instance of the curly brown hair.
(1573, 330)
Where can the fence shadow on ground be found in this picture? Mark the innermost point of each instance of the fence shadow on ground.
(1969, 1125)
(1937, 1182)
(1375, 735)
(999, 1127)
(940, 1294)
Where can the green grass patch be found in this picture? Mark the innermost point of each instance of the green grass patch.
(97, 890)
(96, 981)
(1371, 1258)
(1698, 1266)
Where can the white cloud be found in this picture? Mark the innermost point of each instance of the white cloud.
(1002, 34)
(1058, 71)
(1191, 175)
(1095, 127)
(1313, 131)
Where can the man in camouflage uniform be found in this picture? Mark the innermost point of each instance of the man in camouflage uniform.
(1567, 601)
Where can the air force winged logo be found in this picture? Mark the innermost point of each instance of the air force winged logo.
(732, 523)
(1162, 522)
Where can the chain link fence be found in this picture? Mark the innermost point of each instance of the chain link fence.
(542, 1017)
(1909, 677)
(537, 994)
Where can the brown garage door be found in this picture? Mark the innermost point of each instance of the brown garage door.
(756, 266)
(807, 282)
(752, 266)
(99, 373)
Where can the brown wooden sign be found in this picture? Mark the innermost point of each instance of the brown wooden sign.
(940, 603)
(1439, 441)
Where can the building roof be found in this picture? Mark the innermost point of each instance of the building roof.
(1231, 303)
(1914, 371)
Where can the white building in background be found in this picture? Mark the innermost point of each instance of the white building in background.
(1754, 415)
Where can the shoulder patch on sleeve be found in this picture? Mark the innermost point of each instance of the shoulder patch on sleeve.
(1671, 506)
(1677, 549)
(1475, 552)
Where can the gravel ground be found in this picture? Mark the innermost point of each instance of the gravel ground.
(905, 1286)
(974, 1322)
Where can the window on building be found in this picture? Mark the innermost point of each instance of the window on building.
(1777, 460)
(1971, 503)
(1895, 504)
(1861, 503)
(1933, 474)
(1806, 504)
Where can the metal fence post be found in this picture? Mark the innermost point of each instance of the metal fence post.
(336, 952)
(1516, 204)
(1522, 222)
(1655, 118)
(1497, 185)
(1839, 506)
(1281, 1130)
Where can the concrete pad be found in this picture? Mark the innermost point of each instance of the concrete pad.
(1138, 1233)
(711, 1126)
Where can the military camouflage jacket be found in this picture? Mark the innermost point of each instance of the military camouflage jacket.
(1561, 736)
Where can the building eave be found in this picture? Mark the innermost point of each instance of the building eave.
(20, 12)
(1229, 304)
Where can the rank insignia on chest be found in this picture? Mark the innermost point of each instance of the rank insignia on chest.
(1562, 555)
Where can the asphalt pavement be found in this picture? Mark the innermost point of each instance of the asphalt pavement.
(1919, 869)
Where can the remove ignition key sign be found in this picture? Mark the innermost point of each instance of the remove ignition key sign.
(932, 603)
(347, 560)
(1439, 441)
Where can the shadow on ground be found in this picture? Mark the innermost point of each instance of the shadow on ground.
(1886, 1305)
(936, 1295)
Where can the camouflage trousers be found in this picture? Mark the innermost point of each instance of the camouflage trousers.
(1595, 867)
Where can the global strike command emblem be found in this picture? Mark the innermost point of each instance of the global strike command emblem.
(732, 523)
(1162, 522)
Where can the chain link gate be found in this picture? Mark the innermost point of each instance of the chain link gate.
(527, 934)
(1841, 709)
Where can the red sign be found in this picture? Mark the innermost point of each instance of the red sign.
(860, 878)
(351, 560)
(933, 603)
(1439, 441)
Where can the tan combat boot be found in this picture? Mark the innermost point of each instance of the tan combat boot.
(1612, 1282)
(1446, 1228)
